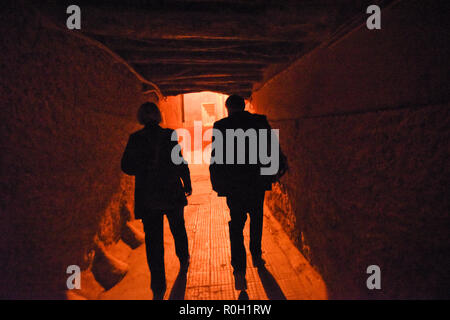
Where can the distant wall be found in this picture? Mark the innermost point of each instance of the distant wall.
(193, 106)
(365, 125)
(171, 109)
(67, 111)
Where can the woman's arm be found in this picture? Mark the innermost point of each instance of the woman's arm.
(134, 157)
(183, 168)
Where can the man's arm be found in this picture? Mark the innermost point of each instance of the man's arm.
(282, 159)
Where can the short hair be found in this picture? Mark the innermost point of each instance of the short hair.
(235, 102)
(149, 112)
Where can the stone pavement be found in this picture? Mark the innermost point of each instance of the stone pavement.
(210, 276)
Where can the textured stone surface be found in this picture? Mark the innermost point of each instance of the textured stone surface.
(107, 269)
(67, 111)
(370, 189)
(132, 236)
(368, 186)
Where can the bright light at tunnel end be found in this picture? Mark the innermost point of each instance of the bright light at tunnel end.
(260, 150)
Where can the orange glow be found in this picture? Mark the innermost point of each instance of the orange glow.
(204, 106)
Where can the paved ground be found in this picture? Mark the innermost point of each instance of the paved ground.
(288, 274)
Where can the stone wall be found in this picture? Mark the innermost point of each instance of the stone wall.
(171, 109)
(365, 125)
(67, 111)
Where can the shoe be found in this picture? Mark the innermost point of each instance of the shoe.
(159, 295)
(240, 283)
(159, 291)
(184, 266)
(258, 262)
(243, 295)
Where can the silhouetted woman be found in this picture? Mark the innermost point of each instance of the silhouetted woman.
(161, 188)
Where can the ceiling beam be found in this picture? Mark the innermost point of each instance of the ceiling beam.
(200, 87)
(211, 79)
(242, 93)
(172, 57)
(276, 22)
(160, 71)
(279, 48)
(207, 74)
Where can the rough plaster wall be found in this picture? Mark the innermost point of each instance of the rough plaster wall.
(65, 120)
(368, 187)
(171, 111)
(403, 64)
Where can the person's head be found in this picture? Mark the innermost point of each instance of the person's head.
(235, 103)
(149, 113)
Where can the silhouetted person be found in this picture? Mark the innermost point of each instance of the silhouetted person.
(161, 188)
(243, 185)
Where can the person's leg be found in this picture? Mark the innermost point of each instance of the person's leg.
(154, 243)
(238, 217)
(178, 229)
(256, 227)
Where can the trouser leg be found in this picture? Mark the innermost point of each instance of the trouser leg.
(238, 217)
(256, 225)
(178, 229)
(154, 242)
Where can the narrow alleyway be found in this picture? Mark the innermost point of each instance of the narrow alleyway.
(362, 113)
(210, 276)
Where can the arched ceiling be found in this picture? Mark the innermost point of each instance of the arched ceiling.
(228, 46)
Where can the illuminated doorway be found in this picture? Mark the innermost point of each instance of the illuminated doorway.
(205, 106)
(201, 109)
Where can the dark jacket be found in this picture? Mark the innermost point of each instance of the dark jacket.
(228, 179)
(159, 183)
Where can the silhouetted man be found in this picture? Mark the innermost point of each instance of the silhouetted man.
(242, 182)
(158, 191)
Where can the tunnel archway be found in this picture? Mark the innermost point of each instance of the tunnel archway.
(363, 118)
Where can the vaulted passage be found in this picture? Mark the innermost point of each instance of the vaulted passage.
(363, 118)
